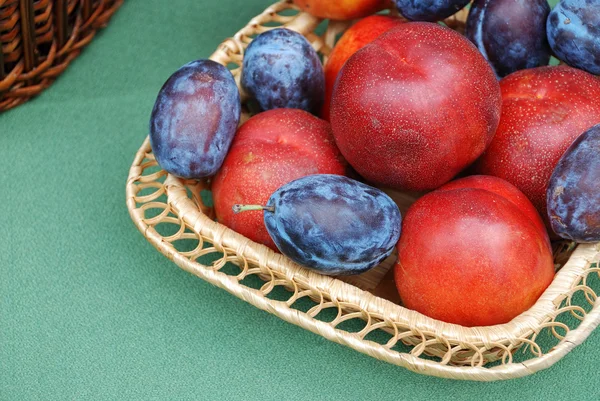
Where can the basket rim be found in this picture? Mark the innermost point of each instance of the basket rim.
(221, 236)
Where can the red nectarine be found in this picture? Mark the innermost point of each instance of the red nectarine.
(543, 111)
(341, 9)
(506, 190)
(270, 150)
(415, 107)
(358, 36)
(473, 253)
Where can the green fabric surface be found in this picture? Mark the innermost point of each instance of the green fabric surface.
(90, 310)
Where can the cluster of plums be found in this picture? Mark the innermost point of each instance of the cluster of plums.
(406, 106)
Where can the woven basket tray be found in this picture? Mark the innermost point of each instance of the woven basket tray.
(38, 40)
(361, 312)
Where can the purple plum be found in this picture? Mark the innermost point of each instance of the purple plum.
(194, 119)
(511, 34)
(333, 224)
(574, 190)
(429, 10)
(574, 33)
(282, 70)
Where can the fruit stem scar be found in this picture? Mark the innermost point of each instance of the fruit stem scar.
(248, 208)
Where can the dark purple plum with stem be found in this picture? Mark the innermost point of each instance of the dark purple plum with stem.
(332, 224)
(282, 70)
(574, 33)
(194, 119)
(429, 10)
(511, 34)
(574, 190)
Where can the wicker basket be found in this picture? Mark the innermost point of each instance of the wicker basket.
(39, 38)
(361, 312)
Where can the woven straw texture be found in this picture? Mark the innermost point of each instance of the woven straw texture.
(361, 312)
(39, 38)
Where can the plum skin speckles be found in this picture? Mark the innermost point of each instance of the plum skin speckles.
(333, 224)
(573, 29)
(574, 190)
(194, 119)
(282, 70)
(429, 10)
(510, 34)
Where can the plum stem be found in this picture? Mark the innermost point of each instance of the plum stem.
(246, 208)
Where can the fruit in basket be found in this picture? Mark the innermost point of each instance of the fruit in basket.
(574, 190)
(415, 107)
(358, 36)
(471, 253)
(282, 70)
(194, 119)
(270, 150)
(506, 190)
(332, 224)
(429, 10)
(544, 110)
(574, 33)
(341, 9)
(510, 34)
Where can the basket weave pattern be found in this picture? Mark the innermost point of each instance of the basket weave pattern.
(39, 38)
(175, 216)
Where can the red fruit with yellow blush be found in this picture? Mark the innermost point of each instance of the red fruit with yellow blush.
(543, 111)
(473, 253)
(270, 150)
(358, 36)
(342, 9)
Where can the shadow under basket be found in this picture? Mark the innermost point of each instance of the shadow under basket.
(361, 312)
(38, 40)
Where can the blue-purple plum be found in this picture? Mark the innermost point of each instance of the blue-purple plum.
(194, 119)
(574, 190)
(333, 224)
(282, 70)
(574, 33)
(429, 10)
(511, 34)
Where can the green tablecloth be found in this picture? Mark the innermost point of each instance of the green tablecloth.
(90, 310)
